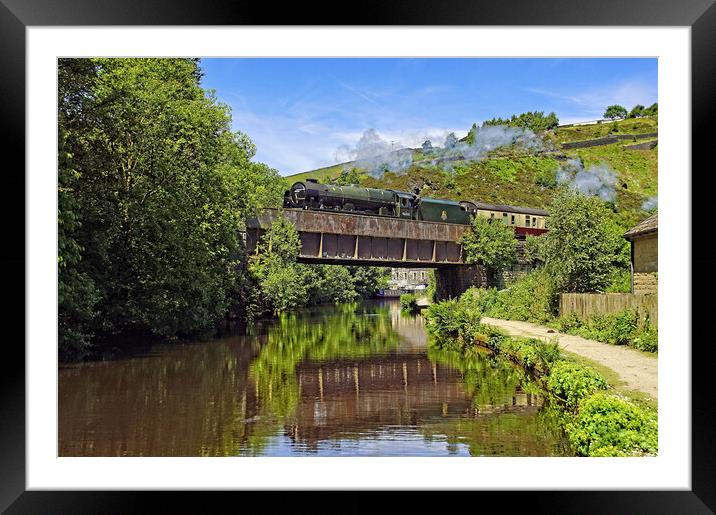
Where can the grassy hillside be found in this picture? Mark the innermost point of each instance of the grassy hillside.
(516, 177)
(600, 130)
(322, 174)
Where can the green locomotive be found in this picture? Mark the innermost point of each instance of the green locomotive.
(371, 201)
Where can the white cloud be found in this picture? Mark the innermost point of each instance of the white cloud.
(591, 103)
(306, 136)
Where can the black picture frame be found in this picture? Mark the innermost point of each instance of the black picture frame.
(17, 15)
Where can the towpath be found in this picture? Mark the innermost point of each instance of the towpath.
(637, 370)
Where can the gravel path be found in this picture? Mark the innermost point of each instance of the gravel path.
(638, 371)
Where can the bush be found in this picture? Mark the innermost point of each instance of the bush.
(620, 282)
(530, 298)
(546, 177)
(627, 327)
(608, 425)
(531, 353)
(568, 323)
(621, 327)
(451, 321)
(571, 383)
(647, 341)
(454, 321)
(409, 302)
(432, 287)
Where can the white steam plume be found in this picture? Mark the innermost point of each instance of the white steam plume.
(376, 155)
(650, 203)
(596, 180)
(486, 139)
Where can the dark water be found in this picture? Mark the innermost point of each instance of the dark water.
(334, 381)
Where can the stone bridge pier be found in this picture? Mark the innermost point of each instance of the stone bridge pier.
(451, 282)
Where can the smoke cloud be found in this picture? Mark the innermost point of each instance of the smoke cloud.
(595, 180)
(377, 155)
(650, 203)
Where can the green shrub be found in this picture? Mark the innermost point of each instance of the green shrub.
(531, 298)
(621, 327)
(452, 321)
(567, 323)
(487, 300)
(571, 383)
(620, 282)
(537, 354)
(531, 353)
(608, 425)
(409, 302)
(627, 327)
(546, 177)
(647, 341)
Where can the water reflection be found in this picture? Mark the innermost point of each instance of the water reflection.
(351, 380)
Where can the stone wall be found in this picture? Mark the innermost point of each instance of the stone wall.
(453, 281)
(607, 140)
(645, 283)
(647, 145)
(646, 250)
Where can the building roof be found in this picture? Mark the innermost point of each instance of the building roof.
(649, 225)
(510, 209)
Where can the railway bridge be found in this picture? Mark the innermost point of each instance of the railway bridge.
(354, 239)
(342, 238)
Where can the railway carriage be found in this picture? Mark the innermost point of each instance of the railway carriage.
(525, 220)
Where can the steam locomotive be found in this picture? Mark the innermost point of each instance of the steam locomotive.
(400, 204)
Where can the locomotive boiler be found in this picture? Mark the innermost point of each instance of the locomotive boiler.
(372, 201)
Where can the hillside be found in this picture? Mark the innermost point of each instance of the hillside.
(524, 178)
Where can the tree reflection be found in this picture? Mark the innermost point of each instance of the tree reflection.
(344, 332)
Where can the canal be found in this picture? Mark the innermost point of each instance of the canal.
(354, 380)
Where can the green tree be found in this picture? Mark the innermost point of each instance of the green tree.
(280, 280)
(579, 249)
(652, 110)
(329, 284)
(490, 244)
(159, 187)
(367, 280)
(533, 252)
(637, 111)
(470, 138)
(615, 111)
(533, 120)
(77, 294)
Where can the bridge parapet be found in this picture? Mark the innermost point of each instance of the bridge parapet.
(347, 238)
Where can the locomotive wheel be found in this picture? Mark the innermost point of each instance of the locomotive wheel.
(348, 207)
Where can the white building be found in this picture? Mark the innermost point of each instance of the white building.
(409, 278)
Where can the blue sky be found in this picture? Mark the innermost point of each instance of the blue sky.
(307, 113)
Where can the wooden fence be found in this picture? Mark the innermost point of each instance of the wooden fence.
(587, 304)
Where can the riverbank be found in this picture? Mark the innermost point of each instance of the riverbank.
(637, 370)
(598, 420)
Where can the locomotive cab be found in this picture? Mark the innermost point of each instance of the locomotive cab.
(406, 205)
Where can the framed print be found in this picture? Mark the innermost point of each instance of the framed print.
(277, 407)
